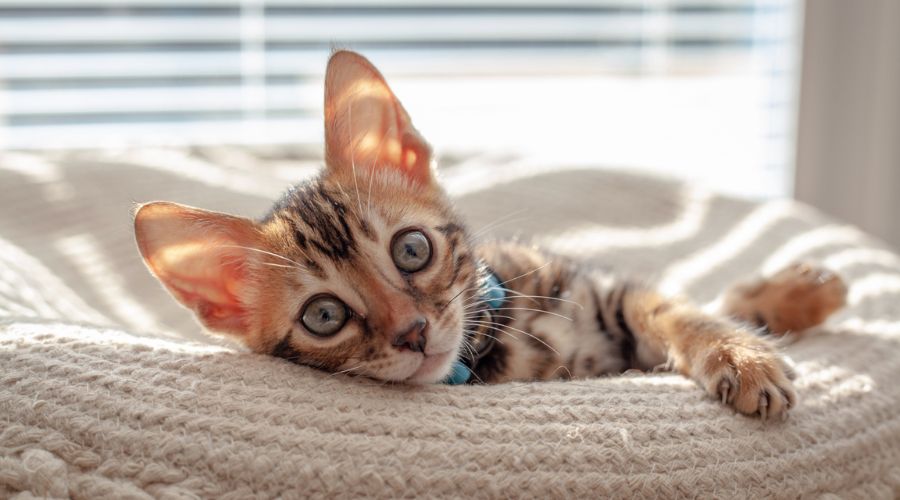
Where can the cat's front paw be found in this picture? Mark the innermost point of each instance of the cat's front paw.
(750, 378)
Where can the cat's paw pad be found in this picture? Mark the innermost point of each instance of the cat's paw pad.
(795, 299)
(751, 381)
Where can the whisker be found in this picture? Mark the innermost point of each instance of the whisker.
(356, 215)
(468, 346)
(505, 219)
(278, 265)
(457, 296)
(301, 266)
(488, 335)
(491, 325)
(475, 301)
(564, 367)
(501, 284)
(526, 274)
(567, 301)
(346, 371)
(372, 171)
(534, 310)
(468, 305)
(485, 334)
(472, 351)
(513, 292)
(352, 159)
(504, 282)
(369, 194)
(477, 315)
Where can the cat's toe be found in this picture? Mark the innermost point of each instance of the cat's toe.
(727, 390)
(752, 382)
(769, 402)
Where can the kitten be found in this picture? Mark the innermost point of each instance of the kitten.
(367, 269)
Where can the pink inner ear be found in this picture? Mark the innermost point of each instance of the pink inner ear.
(416, 159)
(213, 298)
(201, 258)
(365, 124)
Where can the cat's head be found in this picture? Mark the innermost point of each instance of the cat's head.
(365, 269)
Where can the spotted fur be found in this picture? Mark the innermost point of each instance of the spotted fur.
(333, 235)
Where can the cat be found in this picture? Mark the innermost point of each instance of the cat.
(367, 270)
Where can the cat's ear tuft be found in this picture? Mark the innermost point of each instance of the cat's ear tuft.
(366, 127)
(202, 259)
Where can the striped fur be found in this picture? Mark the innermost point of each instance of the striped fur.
(566, 322)
(332, 235)
(345, 244)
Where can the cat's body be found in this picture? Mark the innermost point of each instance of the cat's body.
(367, 270)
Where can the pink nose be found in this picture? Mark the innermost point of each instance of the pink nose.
(412, 337)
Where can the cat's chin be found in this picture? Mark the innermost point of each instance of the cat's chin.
(434, 368)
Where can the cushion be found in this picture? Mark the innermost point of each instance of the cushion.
(109, 389)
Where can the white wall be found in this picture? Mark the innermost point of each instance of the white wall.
(848, 151)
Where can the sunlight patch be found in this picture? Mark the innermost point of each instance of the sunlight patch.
(805, 243)
(86, 254)
(872, 286)
(686, 225)
(681, 274)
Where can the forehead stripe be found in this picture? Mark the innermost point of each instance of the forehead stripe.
(327, 218)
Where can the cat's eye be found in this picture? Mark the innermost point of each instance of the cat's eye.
(324, 316)
(411, 250)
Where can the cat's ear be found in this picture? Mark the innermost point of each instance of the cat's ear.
(366, 126)
(202, 259)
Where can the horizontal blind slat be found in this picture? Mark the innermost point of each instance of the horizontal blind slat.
(410, 28)
(85, 72)
(688, 4)
(305, 63)
(221, 98)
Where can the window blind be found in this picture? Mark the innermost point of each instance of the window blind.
(82, 73)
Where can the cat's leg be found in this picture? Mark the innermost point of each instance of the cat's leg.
(726, 358)
(793, 300)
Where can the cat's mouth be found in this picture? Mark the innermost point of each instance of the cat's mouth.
(433, 369)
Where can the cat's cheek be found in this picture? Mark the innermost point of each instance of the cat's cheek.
(396, 367)
(434, 368)
(447, 334)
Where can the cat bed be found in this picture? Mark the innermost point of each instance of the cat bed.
(109, 390)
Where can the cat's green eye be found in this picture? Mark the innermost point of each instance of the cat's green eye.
(324, 316)
(411, 250)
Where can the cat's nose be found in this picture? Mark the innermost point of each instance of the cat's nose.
(413, 336)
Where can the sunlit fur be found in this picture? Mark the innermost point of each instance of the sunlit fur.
(332, 235)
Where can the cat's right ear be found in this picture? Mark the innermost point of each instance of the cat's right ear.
(203, 260)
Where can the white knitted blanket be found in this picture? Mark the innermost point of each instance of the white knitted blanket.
(109, 390)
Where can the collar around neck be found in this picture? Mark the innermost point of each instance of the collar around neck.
(491, 297)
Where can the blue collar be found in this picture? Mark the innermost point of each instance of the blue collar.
(492, 296)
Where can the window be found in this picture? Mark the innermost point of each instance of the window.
(702, 89)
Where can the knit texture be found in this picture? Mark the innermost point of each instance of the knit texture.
(109, 390)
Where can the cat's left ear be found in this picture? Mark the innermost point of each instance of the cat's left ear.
(366, 127)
